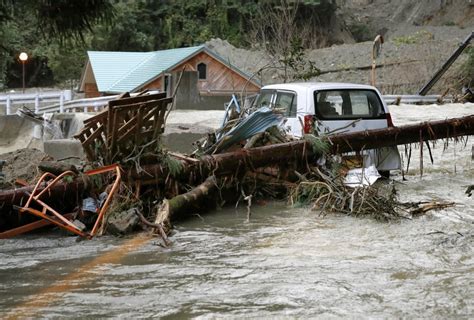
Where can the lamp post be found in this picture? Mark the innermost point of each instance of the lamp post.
(23, 57)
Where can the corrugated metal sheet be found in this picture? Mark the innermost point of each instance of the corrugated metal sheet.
(125, 71)
(109, 66)
(257, 122)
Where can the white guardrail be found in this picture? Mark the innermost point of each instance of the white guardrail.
(38, 98)
(80, 105)
(415, 98)
(45, 102)
(84, 105)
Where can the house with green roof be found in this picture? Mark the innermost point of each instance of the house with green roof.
(203, 74)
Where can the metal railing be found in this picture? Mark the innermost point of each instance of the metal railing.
(81, 105)
(84, 105)
(96, 104)
(414, 98)
(37, 99)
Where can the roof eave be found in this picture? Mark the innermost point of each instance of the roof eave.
(170, 68)
(83, 76)
(228, 64)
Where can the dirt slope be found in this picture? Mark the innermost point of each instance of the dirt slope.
(393, 17)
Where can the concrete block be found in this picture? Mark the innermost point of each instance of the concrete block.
(63, 148)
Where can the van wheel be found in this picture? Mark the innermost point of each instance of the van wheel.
(385, 173)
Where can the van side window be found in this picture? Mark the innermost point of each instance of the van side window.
(348, 104)
(286, 102)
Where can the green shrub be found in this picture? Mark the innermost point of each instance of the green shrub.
(360, 32)
(413, 38)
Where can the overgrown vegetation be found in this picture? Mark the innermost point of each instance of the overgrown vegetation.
(361, 32)
(57, 34)
(46, 30)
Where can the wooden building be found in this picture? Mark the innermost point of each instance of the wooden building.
(206, 74)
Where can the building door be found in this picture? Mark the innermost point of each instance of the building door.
(168, 84)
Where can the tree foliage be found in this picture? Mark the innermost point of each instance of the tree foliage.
(44, 29)
(57, 33)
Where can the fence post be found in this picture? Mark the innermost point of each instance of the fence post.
(37, 104)
(9, 110)
(67, 95)
(61, 103)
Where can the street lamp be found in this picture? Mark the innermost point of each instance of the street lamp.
(23, 57)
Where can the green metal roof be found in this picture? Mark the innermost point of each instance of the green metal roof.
(126, 71)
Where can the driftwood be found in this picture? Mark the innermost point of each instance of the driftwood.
(189, 203)
(158, 227)
(231, 163)
(56, 168)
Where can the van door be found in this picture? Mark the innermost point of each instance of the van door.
(285, 103)
(348, 110)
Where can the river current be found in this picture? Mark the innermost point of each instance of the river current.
(284, 263)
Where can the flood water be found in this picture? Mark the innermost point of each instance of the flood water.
(283, 263)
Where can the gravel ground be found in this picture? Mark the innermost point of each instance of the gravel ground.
(419, 36)
(407, 61)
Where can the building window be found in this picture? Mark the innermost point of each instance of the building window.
(202, 71)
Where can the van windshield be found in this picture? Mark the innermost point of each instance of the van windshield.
(348, 104)
(264, 99)
(283, 101)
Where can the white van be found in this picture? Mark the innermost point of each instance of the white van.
(333, 108)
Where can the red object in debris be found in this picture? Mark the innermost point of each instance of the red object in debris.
(308, 123)
(51, 216)
(21, 182)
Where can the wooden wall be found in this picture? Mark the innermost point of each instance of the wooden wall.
(155, 84)
(91, 90)
(221, 80)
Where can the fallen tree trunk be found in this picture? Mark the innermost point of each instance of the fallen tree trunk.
(190, 203)
(61, 191)
(234, 163)
(284, 153)
(432, 130)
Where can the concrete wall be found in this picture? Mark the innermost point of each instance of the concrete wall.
(16, 133)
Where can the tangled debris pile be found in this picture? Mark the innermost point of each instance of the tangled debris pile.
(249, 157)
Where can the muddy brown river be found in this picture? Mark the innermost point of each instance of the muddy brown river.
(284, 263)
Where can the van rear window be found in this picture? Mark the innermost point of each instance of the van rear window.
(348, 104)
